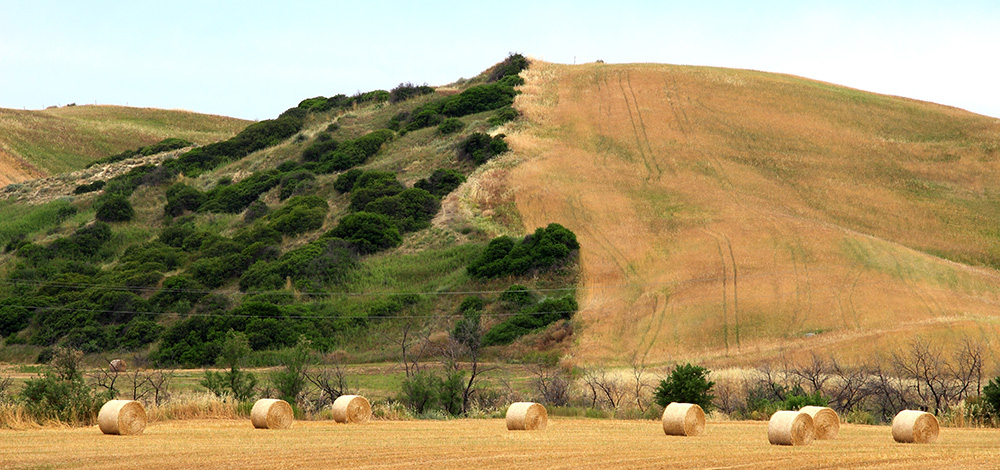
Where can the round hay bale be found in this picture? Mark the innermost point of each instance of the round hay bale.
(912, 426)
(118, 365)
(122, 417)
(826, 422)
(526, 416)
(269, 413)
(790, 428)
(683, 419)
(352, 409)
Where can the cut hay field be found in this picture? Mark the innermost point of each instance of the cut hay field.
(481, 444)
(41, 143)
(733, 216)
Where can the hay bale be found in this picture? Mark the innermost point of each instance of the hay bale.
(912, 426)
(526, 416)
(683, 419)
(269, 413)
(122, 417)
(790, 428)
(826, 423)
(118, 365)
(352, 409)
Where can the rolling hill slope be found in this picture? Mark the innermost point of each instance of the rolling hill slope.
(41, 143)
(730, 216)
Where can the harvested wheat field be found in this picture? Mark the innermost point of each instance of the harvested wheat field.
(727, 216)
(466, 443)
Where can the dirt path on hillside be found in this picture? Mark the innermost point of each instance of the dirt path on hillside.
(687, 255)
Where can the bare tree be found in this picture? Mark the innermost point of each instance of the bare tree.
(331, 381)
(551, 385)
(606, 388)
(848, 387)
(815, 373)
(968, 369)
(639, 386)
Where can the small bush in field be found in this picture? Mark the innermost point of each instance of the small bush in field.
(481, 147)
(114, 208)
(450, 126)
(441, 182)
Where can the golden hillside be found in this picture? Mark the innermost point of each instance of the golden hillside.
(41, 143)
(728, 216)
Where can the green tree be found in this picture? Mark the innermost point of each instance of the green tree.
(991, 392)
(114, 208)
(687, 384)
(235, 382)
(290, 380)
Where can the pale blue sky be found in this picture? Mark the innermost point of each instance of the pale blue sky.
(255, 59)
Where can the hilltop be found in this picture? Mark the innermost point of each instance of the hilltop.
(733, 216)
(42, 143)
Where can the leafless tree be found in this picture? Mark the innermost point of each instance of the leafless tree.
(551, 385)
(606, 388)
(848, 387)
(639, 386)
(815, 373)
(331, 381)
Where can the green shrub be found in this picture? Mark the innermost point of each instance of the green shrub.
(686, 384)
(368, 232)
(405, 91)
(345, 181)
(296, 182)
(410, 210)
(113, 208)
(320, 147)
(503, 115)
(480, 147)
(181, 197)
(478, 99)
(234, 198)
(450, 126)
(541, 315)
(164, 145)
(420, 392)
(300, 214)
(517, 297)
(441, 182)
(544, 249)
(89, 188)
(991, 392)
(372, 185)
(352, 153)
(511, 66)
(254, 137)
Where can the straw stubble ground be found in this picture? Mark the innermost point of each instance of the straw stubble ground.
(481, 444)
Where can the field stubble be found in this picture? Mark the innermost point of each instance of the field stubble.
(468, 443)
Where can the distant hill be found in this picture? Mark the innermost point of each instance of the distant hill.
(731, 215)
(56, 140)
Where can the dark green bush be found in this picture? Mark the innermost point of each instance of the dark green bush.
(686, 384)
(345, 181)
(255, 210)
(300, 214)
(352, 153)
(320, 147)
(546, 312)
(255, 137)
(481, 147)
(88, 188)
(411, 210)
(542, 250)
(517, 297)
(478, 99)
(450, 126)
(296, 182)
(164, 145)
(181, 197)
(235, 197)
(405, 91)
(369, 233)
(991, 392)
(503, 115)
(512, 65)
(372, 185)
(441, 182)
(113, 208)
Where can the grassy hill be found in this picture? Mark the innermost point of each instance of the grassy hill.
(41, 143)
(731, 216)
(724, 217)
(343, 220)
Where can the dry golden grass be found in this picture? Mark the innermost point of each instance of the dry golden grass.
(731, 216)
(40, 143)
(455, 444)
